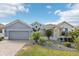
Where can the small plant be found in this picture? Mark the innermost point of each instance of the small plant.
(42, 41)
(59, 46)
(76, 43)
(35, 36)
(67, 44)
(1, 38)
(49, 43)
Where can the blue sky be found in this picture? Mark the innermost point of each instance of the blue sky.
(46, 13)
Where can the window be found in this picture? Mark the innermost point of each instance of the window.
(61, 39)
(65, 39)
(64, 31)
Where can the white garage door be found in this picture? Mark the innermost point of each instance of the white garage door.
(19, 35)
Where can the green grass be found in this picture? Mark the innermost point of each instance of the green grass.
(36, 50)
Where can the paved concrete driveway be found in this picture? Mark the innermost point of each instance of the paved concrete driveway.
(10, 47)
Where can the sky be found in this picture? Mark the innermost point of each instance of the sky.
(45, 13)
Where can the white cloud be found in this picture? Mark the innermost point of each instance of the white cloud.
(4, 23)
(11, 9)
(71, 15)
(49, 6)
(75, 6)
(69, 5)
(27, 10)
(50, 12)
(21, 8)
(57, 11)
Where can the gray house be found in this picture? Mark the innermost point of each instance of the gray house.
(17, 30)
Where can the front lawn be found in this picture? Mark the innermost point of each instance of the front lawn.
(36, 50)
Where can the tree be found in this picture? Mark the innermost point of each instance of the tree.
(35, 36)
(76, 43)
(48, 33)
(36, 29)
(74, 33)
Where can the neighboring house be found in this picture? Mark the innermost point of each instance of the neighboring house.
(17, 30)
(61, 31)
(2, 30)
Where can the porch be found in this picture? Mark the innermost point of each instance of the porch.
(65, 39)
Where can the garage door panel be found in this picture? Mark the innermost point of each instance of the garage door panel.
(19, 35)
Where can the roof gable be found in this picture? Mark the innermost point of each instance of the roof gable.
(64, 22)
(18, 23)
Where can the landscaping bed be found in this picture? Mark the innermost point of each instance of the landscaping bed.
(43, 47)
(37, 50)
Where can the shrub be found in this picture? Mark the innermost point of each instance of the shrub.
(42, 41)
(35, 36)
(1, 38)
(49, 43)
(67, 44)
(76, 43)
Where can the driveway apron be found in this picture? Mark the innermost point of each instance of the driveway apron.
(10, 48)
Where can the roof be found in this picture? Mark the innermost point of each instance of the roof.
(58, 25)
(2, 26)
(50, 26)
(13, 22)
